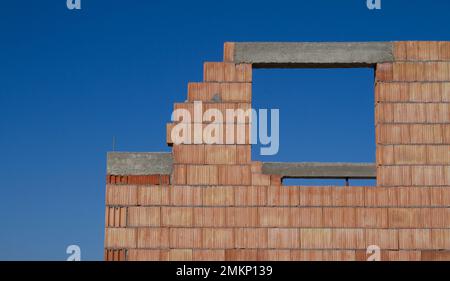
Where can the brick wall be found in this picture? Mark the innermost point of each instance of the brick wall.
(218, 205)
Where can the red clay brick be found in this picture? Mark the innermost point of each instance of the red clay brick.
(110, 216)
(202, 175)
(403, 256)
(411, 239)
(169, 128)
(316, 238)
(306, 217)
(228, 51)
(177, 216)
(413, 196)
(106, 255)
(180, 255)
(339, 255)
(339, 217)
(116, 217)
(426, 133)
(274, 255)
(115, 255)
(400, 51)
(189, 154)
(239, 134)
(437, 112)
(383, 238)
(242, 217)
(409, 218)
(235, 175)
(435, 255)
(251, 238)
(425, 92)
(440, 217)
(110, 179)
(307, 255)
(384, 92)
(226, 92)
(120, 238)
(179, 174)
(220, 154)
(429, 176)
(280, 196)
(445, 92)
(210, 217)
(144, 255)
(232, 113)
(256, 167)
(394, 175)
(315, 196)
(446, 133)
(227, 72)
(274, 217)
(165, 179)
(123, 217)
(444, 51)
(438, 154)
(440, 239)
(218, 238)
(121, 195)
(440, 196)
(410, 154)
(144, 179)
(275, 180)
(243, 154)
(144, 216)
(384, 72)
(185, 238)
(107, 217)
(208, 255)
(260, 179)
(381, 196)
(189, 107)
(250, 195)
(186, 196)
(283, 238)
(218, 196)
(153, 195)
(384, 113)
(152, 237)
(409, 112)
(420, 71)
(348, 238)
(241, 255)
(347, 196)
(385, 154)
(372, 217)
(422, 50)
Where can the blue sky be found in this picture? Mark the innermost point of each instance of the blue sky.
(71, 80)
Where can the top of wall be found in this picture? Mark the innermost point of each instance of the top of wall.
(299, 55)
(139, 163)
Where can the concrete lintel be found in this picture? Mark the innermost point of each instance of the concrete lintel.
(139, 163)
(321, 170)
(313, 55)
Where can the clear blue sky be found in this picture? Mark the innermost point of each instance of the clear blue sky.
(70, 80)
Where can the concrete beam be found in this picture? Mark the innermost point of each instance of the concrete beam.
(321, 170)
(313, 55)
(139, 163)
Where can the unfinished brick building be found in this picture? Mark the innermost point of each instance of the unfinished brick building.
(212, 202)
